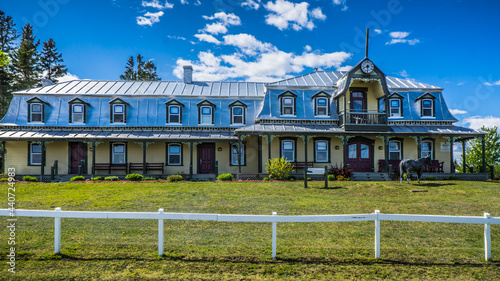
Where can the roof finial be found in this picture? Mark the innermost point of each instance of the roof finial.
(366, 47)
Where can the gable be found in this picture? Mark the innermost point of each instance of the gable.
(205, 103)
(237, 103)
(174, 102)
(426, 96)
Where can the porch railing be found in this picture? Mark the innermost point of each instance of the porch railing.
(365, 117)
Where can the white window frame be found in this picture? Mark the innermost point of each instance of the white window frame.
(32, 153)
(242, 115)
(234, 154)
(322, 106)
(73, 113)
(113, 153)
(206, 116)
(283, 106)
(31, 112)
(170, 114)
(122, 113)
(318, 151)
(398, 151)
(431, 108)
(292, 150)
(398, 108)
(170, 163)
(430, 151)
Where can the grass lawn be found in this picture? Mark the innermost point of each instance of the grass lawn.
(95, 249)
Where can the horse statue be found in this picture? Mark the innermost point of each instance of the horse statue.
(407, 166)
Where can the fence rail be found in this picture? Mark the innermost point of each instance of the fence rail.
(487, 220)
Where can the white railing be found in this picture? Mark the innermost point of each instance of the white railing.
(274, 219)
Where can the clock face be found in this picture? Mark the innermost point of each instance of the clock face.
(367, 66)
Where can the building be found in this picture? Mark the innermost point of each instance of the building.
(359, 117)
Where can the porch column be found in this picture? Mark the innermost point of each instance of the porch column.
(452, 162)
(2, 152)
(93, 158)
(269, 147)
(419, 146)
(191, 145)
(239, 154)
(344, 143)
(464, 163)
(42, 165)
(386, 153)
(259, 154)
(483, 146)
(144, 170)
(305, 161)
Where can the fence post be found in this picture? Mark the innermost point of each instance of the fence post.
(377, 235)
(160, 233)
(487, 238)
(57, 231)
(274, 238)
(326, 176)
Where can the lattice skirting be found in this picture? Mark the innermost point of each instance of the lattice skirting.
(457, 176)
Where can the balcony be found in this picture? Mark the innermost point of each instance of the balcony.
(366, 120)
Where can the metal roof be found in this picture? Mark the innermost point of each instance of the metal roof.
(291, 128)
(417, 129)
(155, 88)
(330, 79)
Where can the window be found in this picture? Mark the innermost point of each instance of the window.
(118, 113)
(427, 108)
(36, 111)
(35, 154)
(288, 150)
(426, 149)
(237, 115)
(352, 154)
(287, 106)
(395, 107)
(395, 150)
(321, 151)
(118, 153)
(234, 154)
(77, 112)
(321, 107)
(365, 150)
(174, 114)
(174, 156)
(206, 115)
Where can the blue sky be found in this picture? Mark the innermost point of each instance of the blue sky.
(452, 44)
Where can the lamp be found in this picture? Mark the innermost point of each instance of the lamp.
(219, 148)
(337, 147)
(380, 147)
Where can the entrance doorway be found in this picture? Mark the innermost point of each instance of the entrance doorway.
(206, 158)
(360, 156)
(78, 152)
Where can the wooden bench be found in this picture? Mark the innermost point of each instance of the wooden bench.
(302, 165)
(149, 167)
(394, 163)
(110, 167)
(435, 167)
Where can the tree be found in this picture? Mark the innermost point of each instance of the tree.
(51, 62)
(143, 71)
(8, 35)
(474, 151)
(25, 60)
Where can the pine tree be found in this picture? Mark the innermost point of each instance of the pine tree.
(25, 60)
(51, 62)
(8, 35)
(143, 71)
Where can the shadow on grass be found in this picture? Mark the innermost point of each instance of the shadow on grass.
(434, 184)
(333, 187)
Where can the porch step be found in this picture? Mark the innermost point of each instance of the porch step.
(360, 176)
(204, 177)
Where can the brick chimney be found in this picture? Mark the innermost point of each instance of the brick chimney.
(188, 74)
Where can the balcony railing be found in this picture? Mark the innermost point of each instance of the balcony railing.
(365, 117)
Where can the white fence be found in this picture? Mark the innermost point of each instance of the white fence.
(274, 219)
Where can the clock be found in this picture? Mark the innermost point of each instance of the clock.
(367, 66)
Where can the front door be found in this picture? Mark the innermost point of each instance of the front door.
(359, 156)
(206, 158)
(78, 153)
(358, 105)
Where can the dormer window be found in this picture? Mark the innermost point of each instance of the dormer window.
(287, 103)
(174, 112)
(427, 107)
(36, 112)
(118, 111)
(238, 113)
(77, 111)
(321, 107)
(206, 113)
(395, 107)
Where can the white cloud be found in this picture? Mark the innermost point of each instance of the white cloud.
(496, 83)
(399, 34)
(252, 4)
(284, 14)
(457, 111)
(215, 28)
(378, 31)
(345, 68)
(67, 77)
(156, 4)
(248, 44)
(403, 73)
(149, 18)
(462, 82)
(223, 20)
(184, 2)
(207, 38)
(176, 37)
(400, 37)
(341, 3)
(307, 48)
(476, 122)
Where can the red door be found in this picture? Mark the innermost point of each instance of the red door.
(206, 158)
(78, 150)
(359, 156)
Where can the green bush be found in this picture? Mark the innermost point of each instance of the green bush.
(77, 178)
(331, 177)
(112, 178)
(265, 179)
(4, 179)
(97, 179)
(29, 178)
(149, 179)
(225, 177)
(134, 177)
(174, 178)
(309, 179)
(279, 169)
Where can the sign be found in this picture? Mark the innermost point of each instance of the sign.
(445, 146)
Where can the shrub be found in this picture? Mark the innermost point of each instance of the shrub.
(430, 178)
(29, 178)
(174, 178)
(4, 179)
(279, 169)
(331, 177)
(149, 179)
(225, 177)
(77, 178)
(97, 179)
(337, 171)
(309, 179)
(134, 177)
(112, 178)
(265, 179)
